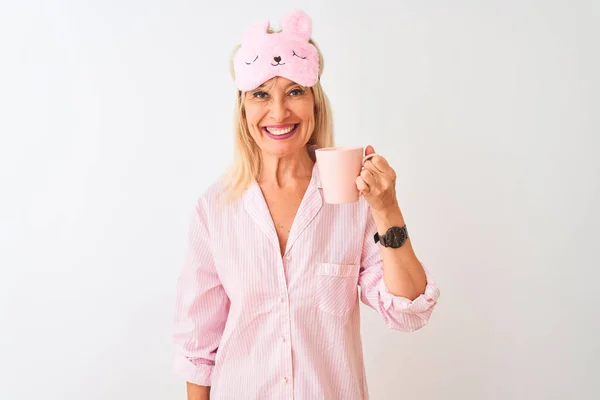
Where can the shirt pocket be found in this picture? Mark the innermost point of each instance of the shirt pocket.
(337, 288)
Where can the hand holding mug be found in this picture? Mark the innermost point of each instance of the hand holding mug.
(377, 182)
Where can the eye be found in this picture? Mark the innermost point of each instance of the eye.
(304, 58)
(248, 63)
(260, 95)
(298, 91)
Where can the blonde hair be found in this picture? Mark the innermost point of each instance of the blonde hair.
(247, 157)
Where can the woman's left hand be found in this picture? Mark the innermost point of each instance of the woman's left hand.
(377, 182)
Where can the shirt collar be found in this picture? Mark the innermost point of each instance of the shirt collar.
(312, 202)
(315, 172)
(316, 176)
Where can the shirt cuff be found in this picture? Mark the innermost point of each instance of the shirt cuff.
(199, 374)
(402, 304)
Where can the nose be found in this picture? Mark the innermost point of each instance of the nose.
(277, 59)
(279, 111)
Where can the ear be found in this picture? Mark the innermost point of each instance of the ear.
(298, 23)
(255, 32)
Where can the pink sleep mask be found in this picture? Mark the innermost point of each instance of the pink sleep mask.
(288, 53)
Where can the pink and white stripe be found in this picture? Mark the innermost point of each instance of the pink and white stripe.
(254, 325)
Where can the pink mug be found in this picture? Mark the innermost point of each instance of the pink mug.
(338, 168)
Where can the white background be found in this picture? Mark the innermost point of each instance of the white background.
(116, 115)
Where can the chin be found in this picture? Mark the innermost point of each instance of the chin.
(284, 147)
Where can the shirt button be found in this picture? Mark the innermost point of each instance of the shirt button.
(281, 299)
(283, 339)
(285, 379)
(288, 258)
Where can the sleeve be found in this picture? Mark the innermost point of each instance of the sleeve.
(399, 313)
(201, 307)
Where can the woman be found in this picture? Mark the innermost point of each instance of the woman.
(267, 301)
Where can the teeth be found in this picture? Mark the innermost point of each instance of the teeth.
(280, 131)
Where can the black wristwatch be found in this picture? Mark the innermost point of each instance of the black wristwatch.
(394, 237)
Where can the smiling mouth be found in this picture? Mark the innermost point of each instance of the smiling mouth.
(280, 133)
(277, 64)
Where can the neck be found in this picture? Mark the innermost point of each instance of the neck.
(286, 171)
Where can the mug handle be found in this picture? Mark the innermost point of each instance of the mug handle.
(365, 159)
(368, 157)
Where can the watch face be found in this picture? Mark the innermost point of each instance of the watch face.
(395, 236)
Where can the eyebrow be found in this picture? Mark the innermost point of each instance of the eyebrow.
(263, 86)
(294, 84)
